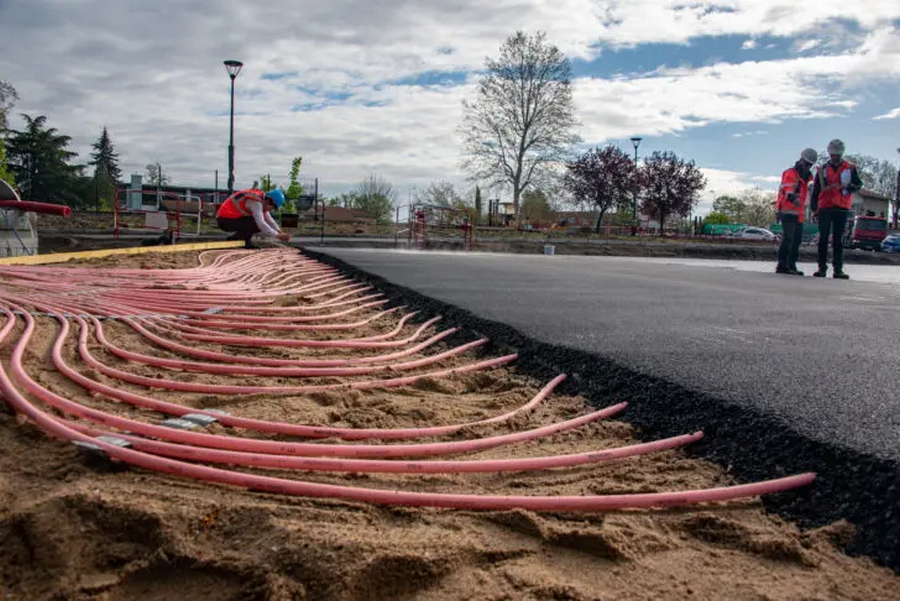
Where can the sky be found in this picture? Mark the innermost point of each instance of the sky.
(376, 88)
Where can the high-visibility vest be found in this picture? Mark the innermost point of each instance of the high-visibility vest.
(831, 188)
(235, 206)
(792, 183)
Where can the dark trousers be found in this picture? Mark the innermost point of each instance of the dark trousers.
(791, 238)
(243, 227)
(832, 222)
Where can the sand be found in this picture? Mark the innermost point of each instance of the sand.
(77, 527)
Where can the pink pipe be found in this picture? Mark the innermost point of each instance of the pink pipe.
(249, 359)
(168, 384)
(276, 447)
(218, 368)
(292, 429)
(186, 331)
(299, 488)
(394, 466)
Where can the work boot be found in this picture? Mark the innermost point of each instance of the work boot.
(823, 271)
(840, 275)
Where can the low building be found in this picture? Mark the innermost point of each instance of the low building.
(869, 202)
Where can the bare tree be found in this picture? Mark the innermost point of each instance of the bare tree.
(670, 186)
(375, 197)
(520, 123)
(878, 175)
(441, 194)
(155, 175)
(602, 178)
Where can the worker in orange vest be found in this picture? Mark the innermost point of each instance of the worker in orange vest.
(247, 212)
(791, 206)
(835, 182)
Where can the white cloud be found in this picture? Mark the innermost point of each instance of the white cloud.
(894, 114)
(152, 73)
(807, 45)
(749, 45)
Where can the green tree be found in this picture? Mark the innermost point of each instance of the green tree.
(104, 189)
(732, 207)
(521, 122)
(536, 207)
(8, 97)
(39, 158)
(375, 197)
(294, 188)
(6, 174)
(105, 156)
(478, 207)
(717, 218)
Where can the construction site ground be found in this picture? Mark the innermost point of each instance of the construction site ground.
(81, 528)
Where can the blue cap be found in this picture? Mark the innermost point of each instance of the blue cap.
(276, 196)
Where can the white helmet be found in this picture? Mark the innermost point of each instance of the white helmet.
(836, 147)
(810, 155)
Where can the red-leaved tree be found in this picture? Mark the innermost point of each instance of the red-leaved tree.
(602, 177)
(670, 186)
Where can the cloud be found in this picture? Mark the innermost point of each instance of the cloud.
(894, 114)
(806, 45)
(359, 88)
(749, 45)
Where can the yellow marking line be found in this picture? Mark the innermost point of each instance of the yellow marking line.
(109, 252)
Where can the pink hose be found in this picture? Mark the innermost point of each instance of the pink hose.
(244, 286)
(28, 206)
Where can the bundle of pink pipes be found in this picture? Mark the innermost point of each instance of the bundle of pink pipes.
(229, 304)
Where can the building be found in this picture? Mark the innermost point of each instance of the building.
(869, 202)
(137, 196)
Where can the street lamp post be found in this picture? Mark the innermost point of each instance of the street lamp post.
(233, 68)
(634, 216)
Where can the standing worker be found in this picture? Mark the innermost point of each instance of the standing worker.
(791, 206)
(248, 212)
(835, 181)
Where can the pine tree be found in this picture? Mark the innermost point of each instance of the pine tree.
(105, 156)
(39, 157)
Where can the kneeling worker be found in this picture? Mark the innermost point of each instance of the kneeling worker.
(247, 212)
(791, 206)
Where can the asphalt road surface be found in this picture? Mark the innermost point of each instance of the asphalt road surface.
(822, 355)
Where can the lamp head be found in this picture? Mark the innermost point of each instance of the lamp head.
(233, 68)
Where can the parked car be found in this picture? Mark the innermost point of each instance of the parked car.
(891, 244)
(752, 233)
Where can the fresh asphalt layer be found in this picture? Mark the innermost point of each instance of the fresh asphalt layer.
(821, 354)
(782, 373)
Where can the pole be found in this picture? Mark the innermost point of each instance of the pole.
(322, 235)
(634, 215)
(397, 226)
(231, 144)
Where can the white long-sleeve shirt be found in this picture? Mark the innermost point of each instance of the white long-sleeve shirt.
(263, 219)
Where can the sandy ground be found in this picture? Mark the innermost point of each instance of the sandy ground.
(75, 527)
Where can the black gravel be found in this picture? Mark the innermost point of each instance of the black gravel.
(752, 441)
